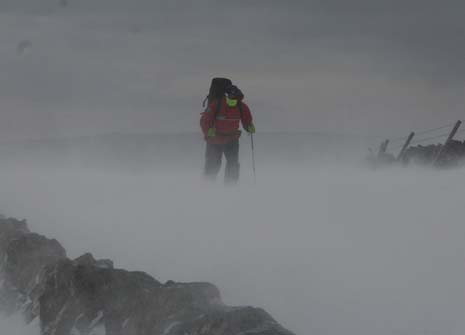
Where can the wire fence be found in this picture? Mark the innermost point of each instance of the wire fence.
(422, 140)
(425, 139)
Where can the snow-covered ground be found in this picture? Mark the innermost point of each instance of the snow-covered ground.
(329, 248)
(14, 325)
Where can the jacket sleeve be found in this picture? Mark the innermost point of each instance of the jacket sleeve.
(246, 119)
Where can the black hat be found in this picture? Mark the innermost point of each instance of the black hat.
(233, 92)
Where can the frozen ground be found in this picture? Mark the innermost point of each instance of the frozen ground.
(15, 326)
(326, 248)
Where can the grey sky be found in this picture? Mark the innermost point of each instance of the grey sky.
(139, 65)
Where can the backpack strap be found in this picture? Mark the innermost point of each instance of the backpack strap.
(217, 111)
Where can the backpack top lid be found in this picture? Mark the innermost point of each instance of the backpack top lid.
(218, 88)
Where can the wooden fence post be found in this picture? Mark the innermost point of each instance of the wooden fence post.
(406, 144)
(446, 144)
(383, 148)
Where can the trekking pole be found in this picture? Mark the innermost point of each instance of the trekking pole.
(253, 158)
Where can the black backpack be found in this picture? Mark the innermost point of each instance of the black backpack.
(217, 89)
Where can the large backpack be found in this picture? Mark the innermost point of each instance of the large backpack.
(217, 92)
(217, 89)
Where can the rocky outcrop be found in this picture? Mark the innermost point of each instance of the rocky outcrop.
(86, 296)
(444, 156)
(453, 154)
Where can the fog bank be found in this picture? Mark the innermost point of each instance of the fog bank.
(331, 248)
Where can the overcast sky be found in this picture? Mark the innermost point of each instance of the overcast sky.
(358, 66)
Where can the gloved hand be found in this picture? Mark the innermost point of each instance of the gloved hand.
(251, 129)
(211, 132)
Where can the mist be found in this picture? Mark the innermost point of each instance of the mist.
(93, 67)
(326, 245)
(100, 149)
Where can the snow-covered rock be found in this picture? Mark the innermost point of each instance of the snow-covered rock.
(86, 296)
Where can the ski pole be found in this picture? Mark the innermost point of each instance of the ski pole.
(253, 157)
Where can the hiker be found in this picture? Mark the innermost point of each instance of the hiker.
(220, 126)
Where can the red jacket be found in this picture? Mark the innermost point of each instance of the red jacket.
(226, 122)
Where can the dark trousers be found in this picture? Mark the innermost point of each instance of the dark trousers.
(213, 158)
